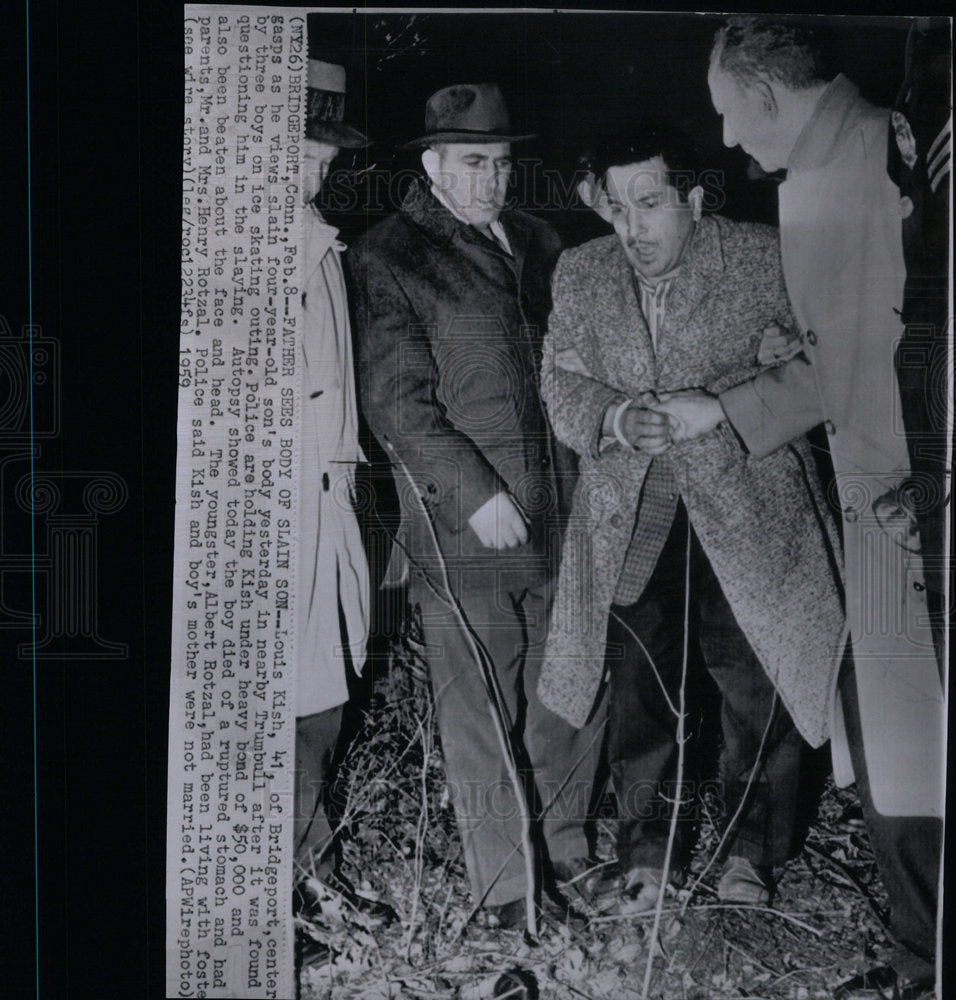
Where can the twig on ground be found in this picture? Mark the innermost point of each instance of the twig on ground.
(700, 953)
(420, 827)
(752, 958)
(675, 812)
(731, 823)
(853, 881)
(681, 911)
(796, 972)
(443, 911)
(763, 909)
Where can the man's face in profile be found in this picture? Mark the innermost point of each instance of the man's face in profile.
(749, 121)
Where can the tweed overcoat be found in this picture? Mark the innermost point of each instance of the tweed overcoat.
(762, 522)
(841, 239)
(448, 337)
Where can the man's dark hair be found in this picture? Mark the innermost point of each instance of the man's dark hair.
(646, 142)
(792, 52)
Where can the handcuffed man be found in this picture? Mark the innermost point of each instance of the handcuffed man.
(678, 553)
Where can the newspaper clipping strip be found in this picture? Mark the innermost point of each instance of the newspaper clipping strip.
(231, 753)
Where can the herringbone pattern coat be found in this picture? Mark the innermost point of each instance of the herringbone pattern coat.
(762, 522)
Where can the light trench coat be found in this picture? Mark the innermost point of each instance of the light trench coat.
(332, 594)
(840, 231)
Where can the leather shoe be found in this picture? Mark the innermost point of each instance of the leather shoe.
(884, 983)
(641, 886)
(591, 881)
(502, 916)
(512, 916)
(744, 882)
(641, 889)
(310, 953)
(307, 903)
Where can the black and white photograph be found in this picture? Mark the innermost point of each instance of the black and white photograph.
(477, 505)
(648, 315)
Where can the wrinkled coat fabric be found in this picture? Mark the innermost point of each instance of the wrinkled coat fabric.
(841, 240)
(333, 588)
(762, 522)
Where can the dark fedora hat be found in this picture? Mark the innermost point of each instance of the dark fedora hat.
(466, 112)
(325, 107)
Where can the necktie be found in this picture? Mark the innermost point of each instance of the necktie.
(489, 235)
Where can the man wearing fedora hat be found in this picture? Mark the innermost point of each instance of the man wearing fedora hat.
(451, 296)
(333, 575)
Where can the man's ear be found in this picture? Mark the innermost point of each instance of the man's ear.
(768, 99)
(431, 162)
(592, 193)
(696, 201)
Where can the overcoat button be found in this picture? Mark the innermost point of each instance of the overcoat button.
(811, 338)
(545, 461)
(616, 521)
(830, 427)
(672, 496)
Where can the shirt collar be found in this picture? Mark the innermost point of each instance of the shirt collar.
(319, 231)
(496, 226)
(664, 280)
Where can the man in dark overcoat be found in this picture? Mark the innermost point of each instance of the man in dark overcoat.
(451, 296)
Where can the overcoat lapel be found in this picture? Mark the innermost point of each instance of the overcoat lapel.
(700, 269)
(517, 238)
(633, 337)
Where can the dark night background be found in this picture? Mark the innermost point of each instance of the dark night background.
(105, 119)
(568, 78)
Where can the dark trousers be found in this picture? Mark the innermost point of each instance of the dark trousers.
(907, 851)
(315, 740)
(642, 743)
(558, 762)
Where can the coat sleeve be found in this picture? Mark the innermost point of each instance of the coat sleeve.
(397, 390)
(774, 407)
(576, 402)
(782, 402)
